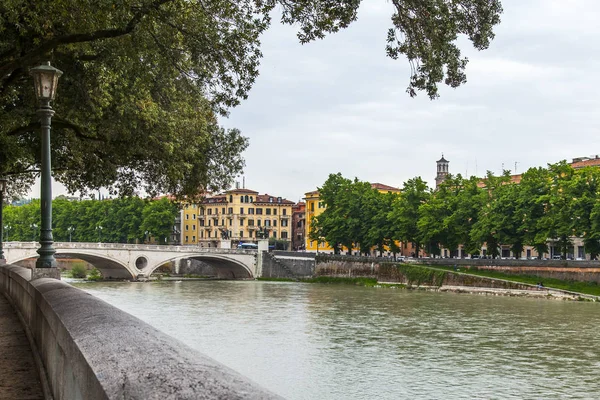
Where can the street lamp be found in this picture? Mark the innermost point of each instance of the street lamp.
(70, 229)
(99, 229)
(45, 79)
(147, 234)
(2, 189)
(7, 228)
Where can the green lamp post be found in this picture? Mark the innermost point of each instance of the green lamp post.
(45, 79)
(2, 189)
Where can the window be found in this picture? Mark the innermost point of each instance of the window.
(202, 234)
(268, 211)
(259, 211)
(230, 210)
(210, 211)
(274, 234)
(321, 205)
(187, 227)
(201, 222)
(312, 206)
(284, 235)
(250, 234)
(222, 222)
(270, 199)
(193, 238)
(187, 216)
(284, 222)
(250, 222)
(274, 211)
(186, 239)
(242, 210)
(251, 211)
(230, 198)
(208, 233)
(202, 211)
(241, 234)
(284, 211)
(194, 227)
(274, 222)
(241, 222)
(230, 221)
(246, 199)
(193, 216)
(258, 222)
(267, 222)
(223, 210)
(251, 199)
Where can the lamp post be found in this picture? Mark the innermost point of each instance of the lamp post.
(70, 229)
(45, 79)
(2, 189)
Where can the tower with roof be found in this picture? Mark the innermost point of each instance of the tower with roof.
(442, 170)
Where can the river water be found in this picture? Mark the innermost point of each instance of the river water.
(316, 341)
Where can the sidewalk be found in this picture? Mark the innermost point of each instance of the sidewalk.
(18, 373)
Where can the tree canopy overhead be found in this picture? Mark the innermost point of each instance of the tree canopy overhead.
(145, 80)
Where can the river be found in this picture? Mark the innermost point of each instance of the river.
(316, 341)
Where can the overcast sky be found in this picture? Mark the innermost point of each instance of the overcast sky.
(339, 105)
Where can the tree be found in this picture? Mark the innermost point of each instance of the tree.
(143, 81)
(404, 214)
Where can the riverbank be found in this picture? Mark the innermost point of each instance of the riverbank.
(531, 291)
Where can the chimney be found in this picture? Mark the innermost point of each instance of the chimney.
(237, 184)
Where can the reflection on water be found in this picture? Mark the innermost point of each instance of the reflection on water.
(308, 341)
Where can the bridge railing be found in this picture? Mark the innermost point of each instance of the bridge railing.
(125, 246)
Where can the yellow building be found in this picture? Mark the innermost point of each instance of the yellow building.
(238, 215)
(314, 208)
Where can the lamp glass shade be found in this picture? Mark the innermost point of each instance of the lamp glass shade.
(45, 79)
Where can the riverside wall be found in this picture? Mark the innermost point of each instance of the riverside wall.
(92, 350)
(405, 273)
(567, 270)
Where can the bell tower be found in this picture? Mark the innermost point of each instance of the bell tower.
(442, 170)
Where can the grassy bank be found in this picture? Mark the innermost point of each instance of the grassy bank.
(572, 286)
(370, 282)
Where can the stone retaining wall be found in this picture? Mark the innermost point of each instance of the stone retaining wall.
(92, 350)
(580, 271)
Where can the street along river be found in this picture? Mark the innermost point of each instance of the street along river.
(317, 341)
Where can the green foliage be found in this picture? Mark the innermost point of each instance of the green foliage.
(341, 280)
(123, 220)
(94, 275)
(144, 81)
(418, 275)
(78, 270)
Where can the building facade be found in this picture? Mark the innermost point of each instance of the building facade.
(299, 226)
(238, 216)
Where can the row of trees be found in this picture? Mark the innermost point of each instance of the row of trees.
(555, 203)
(125, 220)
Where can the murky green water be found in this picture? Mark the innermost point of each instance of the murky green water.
(310, 341)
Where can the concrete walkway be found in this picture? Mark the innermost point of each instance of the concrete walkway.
(19, 378)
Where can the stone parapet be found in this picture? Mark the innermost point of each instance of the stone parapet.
(92, 350)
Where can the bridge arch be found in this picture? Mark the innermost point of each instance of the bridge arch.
(109, 267)
(226, 267)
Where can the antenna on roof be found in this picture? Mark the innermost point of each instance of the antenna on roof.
(516, 167)
(243, 182)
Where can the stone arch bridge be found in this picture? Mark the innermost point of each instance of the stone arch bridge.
(134, 261)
